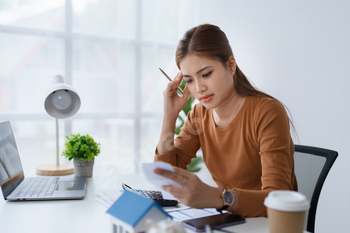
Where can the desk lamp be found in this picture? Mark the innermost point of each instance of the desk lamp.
(62, 101)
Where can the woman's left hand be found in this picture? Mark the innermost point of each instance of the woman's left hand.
(193, 192)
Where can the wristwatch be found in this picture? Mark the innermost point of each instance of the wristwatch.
(228, 198)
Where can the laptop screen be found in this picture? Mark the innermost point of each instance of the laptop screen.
(11, 172)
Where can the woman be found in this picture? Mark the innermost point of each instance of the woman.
(244, 133)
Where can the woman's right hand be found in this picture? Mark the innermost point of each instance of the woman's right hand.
(173, 103)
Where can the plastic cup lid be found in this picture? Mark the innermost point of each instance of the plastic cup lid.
(286, 201)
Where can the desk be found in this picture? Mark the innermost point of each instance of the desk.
(85, 215)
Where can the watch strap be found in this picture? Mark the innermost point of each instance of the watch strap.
(225, 206)
(222, 208)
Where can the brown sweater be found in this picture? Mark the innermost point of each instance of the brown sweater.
(252, 154)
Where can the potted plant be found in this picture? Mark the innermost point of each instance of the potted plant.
(195, 162)
(83, 150)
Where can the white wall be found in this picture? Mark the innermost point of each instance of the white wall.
(298, 51)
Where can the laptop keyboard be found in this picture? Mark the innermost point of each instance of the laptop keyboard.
(37, 187)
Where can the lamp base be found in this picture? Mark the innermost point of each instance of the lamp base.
(55, 170)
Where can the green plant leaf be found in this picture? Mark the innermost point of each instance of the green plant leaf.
(188, 106)
(182, 84)
(193, 166)
(83, 147)
(194, 169)
(195, 162)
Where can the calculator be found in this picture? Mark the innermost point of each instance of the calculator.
(154, 195)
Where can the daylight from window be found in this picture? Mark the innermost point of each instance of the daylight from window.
(109, 51)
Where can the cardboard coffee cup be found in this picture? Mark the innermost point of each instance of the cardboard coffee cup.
(286, 211)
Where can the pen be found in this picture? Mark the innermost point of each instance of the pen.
(178, 88)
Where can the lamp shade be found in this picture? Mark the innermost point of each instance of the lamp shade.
(62, 100)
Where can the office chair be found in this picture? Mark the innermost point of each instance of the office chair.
(311, 169)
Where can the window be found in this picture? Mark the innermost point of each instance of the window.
(109, 51)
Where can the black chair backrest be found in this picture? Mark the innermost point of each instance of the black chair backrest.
(311, 169)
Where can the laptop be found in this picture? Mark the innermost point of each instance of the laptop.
(16, 187)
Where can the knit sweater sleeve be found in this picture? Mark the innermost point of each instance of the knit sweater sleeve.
(276, 154)
(186, 143)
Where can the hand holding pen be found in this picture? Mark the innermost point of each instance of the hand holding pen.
(178, 88)
(174, 103)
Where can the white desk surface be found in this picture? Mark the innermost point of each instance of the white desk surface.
(85, 215)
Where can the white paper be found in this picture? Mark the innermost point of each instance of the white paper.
(157, 180)
(178, 207)
(182, 215)
(110, 194)
(103, 202)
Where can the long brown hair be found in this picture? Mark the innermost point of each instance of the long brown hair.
(210, 41)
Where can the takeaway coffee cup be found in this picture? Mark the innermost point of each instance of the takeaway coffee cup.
(286, 211)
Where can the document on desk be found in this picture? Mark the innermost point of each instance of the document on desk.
(108, 197)
(181, 215)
